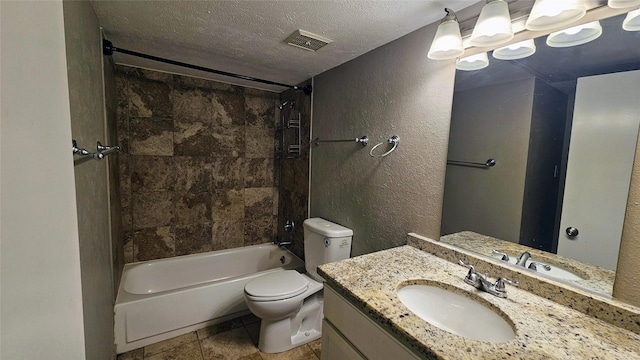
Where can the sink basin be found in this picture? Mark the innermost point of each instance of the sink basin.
(556, 271)
(455, 313)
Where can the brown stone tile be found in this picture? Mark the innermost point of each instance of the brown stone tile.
(151, 136)
(136, 354)
(228, 233)
(228, 204)
(192, 208)
(227, 173)
(192, 104)
(193, 174)
(260, 110)
(258, 172)
(299, 353)
(229, 108)
(258, 202)
(127, 241)
(254, 356)
(124, 173)
(193, 138)
(219, 328)
(169, 344)
(189, 351)
(228, 141)
(153, 243)
(228, 345)
(152, 209)
(316, 347)
(260, 142)
(204, 84)
(152, 173)
(193, 239)
(149, 98)
(254, 332)
(258, 231)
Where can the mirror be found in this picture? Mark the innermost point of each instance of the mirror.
(527, 115)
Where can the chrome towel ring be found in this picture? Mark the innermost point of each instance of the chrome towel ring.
(394, 140)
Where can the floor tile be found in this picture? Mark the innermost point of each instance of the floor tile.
(316, 346)
(189, 351)
(232, 344)
(254, 332)
(303, 352)
(137, 354)
(162, 346)
(249, 319)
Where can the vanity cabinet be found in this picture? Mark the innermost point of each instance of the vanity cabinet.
(348, 334)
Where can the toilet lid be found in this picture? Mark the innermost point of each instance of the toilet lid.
(281, 284)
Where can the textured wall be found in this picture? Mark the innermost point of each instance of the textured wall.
(293, 183)
(198, 170)
(392, 90)
(474, 198)
(41, 313)
(86, 99)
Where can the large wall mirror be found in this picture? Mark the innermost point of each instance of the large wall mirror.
(562, 128)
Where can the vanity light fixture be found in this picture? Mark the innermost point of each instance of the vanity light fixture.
(632, 21)
(549, 14)
(493, 26)
(515, 51)
(473, 62)
(619, 4)
(576, 35)
(447, 44)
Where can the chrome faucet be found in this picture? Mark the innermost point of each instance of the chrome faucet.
(522, 260)
(482, 283)
(283, 243)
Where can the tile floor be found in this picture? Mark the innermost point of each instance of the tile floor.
(234, 340)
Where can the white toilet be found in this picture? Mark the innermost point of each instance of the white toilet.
(290, 303)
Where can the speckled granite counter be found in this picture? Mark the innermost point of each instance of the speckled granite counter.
(544, 329)
(596, 278)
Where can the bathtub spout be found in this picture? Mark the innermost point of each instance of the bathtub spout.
(283, 243)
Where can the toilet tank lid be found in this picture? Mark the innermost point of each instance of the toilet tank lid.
(326, 228)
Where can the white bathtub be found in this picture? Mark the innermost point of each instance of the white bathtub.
(161, 299)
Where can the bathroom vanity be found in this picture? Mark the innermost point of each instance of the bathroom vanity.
(365, 318)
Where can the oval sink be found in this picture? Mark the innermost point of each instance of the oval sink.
(455, 313)
(556, 271)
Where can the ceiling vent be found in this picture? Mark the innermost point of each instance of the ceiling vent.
(306, 40)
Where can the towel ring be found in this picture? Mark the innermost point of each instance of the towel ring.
(395, 140)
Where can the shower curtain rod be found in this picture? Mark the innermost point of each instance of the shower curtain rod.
(109, 49)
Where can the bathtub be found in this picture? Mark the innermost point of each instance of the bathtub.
(161, 299)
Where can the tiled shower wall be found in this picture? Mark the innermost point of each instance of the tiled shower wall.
(294, 171)
(197, 167)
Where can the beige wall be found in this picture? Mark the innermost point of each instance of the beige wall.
(86, 98)
(474, 198)
(41, 313)
(392, 90)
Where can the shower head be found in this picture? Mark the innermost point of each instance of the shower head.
(285, 103)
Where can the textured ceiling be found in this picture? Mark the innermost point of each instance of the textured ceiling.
(246, 37)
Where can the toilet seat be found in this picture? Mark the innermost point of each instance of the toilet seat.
(276, 286)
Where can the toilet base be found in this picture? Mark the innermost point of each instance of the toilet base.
(281, 335)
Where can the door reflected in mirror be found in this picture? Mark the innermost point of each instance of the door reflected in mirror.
(562, 126)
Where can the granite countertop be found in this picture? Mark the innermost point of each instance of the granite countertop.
(596, 278)
(544, 329)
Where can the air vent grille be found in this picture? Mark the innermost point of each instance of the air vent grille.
(306, 40)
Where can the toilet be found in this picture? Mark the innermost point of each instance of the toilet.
(290, 303)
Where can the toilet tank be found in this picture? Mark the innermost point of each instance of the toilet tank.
(324, 242)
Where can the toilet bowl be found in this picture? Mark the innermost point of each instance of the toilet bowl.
(290, 303)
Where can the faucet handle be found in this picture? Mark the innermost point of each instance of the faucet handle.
(503, 256)
(472, 270)
(534, 266)
(499, 285)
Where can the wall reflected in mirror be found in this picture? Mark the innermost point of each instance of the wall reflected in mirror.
(562, 145)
